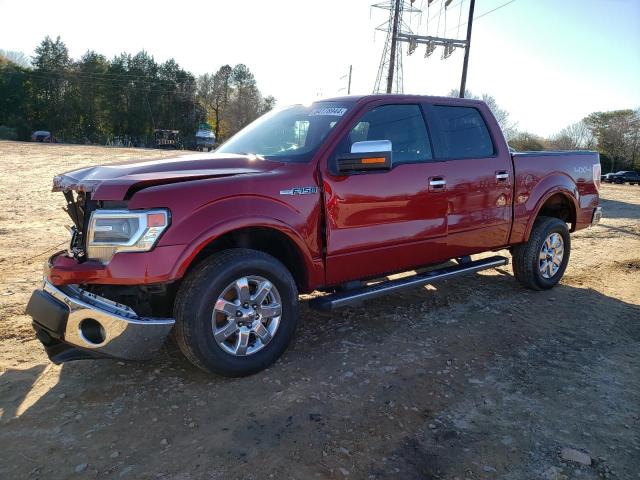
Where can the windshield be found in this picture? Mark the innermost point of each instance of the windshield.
(291, 134)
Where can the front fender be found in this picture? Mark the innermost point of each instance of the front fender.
(313, 266)
(298, 220)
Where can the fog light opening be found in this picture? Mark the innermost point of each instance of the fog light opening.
(92, 332)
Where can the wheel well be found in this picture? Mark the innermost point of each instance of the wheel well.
(559, 206)
(264, 239)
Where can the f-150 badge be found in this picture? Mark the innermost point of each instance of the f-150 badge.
(299, 191)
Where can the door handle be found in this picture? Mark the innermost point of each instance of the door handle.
(502, 176)
(437, 183)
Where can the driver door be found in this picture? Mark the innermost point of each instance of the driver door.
(378, 222)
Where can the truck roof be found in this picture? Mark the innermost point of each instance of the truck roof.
(382, 96)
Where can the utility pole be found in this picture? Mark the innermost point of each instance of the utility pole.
(349, 84)
(463, 81)
(394, 40)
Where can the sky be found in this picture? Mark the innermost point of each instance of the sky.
(548, 62)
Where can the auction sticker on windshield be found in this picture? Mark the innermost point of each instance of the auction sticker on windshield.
(332, 111)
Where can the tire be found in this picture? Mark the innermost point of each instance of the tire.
(197, 312)
(527, 262)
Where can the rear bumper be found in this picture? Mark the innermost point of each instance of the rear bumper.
(75, 324)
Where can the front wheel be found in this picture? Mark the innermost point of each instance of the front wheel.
(236, 312)
(540, 263)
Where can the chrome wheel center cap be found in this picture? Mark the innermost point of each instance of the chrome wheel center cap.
(247, 315)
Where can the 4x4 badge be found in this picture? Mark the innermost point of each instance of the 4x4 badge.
(299, 191)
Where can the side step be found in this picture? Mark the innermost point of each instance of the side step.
(342, 299)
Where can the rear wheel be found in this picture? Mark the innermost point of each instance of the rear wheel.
(236, 312)
(540, 263)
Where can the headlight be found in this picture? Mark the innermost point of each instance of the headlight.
(113, 231)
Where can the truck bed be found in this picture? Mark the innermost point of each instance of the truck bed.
(540, 175)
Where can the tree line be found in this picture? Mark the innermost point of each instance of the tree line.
(93, 99)
(615, 134)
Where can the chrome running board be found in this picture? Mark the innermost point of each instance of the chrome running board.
(342, 299)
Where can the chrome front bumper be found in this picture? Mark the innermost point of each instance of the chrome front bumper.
(95, 324)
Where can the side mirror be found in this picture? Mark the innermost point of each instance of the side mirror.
(372, 155)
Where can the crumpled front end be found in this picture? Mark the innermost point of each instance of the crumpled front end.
(78, 208)
(75, 324)
(66, 183)
(109, 293)
(70, 317)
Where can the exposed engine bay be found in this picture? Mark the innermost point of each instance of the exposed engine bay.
(78, 210)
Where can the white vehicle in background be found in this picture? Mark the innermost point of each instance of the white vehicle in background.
(205, 138)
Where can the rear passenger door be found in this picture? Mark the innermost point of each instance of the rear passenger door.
(479, 179)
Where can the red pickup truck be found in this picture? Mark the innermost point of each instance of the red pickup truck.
(216, 247)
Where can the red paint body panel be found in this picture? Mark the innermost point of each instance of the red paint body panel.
(156, 266)
(541, 175)
(354, 226)
(392, 221)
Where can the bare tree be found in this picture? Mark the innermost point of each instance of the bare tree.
(18, 58)
(577, 136)
(502, 116)
(525, 141)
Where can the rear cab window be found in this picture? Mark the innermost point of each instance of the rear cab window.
(459, 132)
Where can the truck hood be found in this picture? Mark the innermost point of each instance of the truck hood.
(114, 182)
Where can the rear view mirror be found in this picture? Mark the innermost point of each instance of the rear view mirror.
(371, 146)
(366, 156)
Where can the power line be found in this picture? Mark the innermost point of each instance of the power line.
(122, 84)
(459, 18)
(486, 13)
(106, 75)
(68, 74)
(439, 17)
(118, 76)
(439, 12)
(491, 11)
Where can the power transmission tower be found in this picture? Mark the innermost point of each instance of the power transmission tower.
(389, 78)
(398, 32)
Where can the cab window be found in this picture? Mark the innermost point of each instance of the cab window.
(459, 132)
(403, 125)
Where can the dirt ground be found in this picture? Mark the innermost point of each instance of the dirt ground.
(476, 378)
